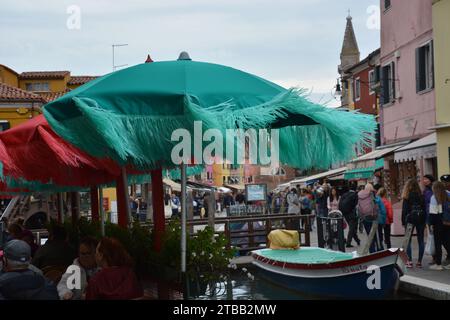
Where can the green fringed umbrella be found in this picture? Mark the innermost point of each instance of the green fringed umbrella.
(129, 115)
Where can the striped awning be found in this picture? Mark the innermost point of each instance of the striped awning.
(422, 148)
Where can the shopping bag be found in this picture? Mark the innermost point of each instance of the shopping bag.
(429, 248)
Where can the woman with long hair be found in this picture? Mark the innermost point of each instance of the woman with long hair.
(116, 280)
(414, 213)
(386, 228)
(441, 234)
(333, 200)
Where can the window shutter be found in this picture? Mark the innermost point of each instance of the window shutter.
(418, 70)
(384, 86)
(392, 80)
(432, 64)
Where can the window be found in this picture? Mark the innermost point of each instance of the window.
(357, 90)
(209, 175)
(374, 79)
(388, 83)
(424, 67)
(37, 86)
(223, 179)
(45, 86)
(387, 4)
(4, 125)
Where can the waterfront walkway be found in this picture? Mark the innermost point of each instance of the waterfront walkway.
(422, 282)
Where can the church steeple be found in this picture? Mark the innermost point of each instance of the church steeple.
(350, 52)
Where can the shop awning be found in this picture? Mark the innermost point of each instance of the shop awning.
(364, 173)
(422, 148)
(369, 160)
(239, 187)
(172, 184)
(317, 177)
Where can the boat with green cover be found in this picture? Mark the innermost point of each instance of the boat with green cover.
(328, 273)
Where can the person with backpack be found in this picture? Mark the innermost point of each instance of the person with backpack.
(389, 217)
(368, 211)
(413, 213)
(19, 280)
(347, 205)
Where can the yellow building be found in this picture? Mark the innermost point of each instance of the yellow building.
(22, 94)
(441, 27)
(9, 76)
(17, 106)
(227, 174)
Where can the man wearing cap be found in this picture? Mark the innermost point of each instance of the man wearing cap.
(20, 282)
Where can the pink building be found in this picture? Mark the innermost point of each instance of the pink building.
(407, 96)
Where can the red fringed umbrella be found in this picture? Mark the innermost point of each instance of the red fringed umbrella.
(33, 151)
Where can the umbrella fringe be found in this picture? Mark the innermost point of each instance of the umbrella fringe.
(333, 136)
(337, 135)
(127, 138)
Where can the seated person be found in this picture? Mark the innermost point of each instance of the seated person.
(28, 237)
(20, 282)
(55, 252)
(88, 267)
(116, 280)
(14, 231)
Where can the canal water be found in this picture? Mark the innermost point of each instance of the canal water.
(244, 288)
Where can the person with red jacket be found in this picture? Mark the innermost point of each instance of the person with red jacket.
(389, 217)
(116, 280)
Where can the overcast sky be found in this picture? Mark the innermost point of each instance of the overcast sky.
(291, 42)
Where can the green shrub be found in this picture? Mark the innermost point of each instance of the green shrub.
(207, 255)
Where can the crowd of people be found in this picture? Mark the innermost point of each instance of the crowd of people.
(424, 209)
(97, 270)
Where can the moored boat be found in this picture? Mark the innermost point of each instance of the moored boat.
(326, 273)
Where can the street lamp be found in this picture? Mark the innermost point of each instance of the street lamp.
(338, 91)
(114, 67)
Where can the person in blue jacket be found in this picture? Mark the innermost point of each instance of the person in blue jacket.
(382, 214)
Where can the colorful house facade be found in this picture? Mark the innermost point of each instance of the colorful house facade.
(407, 90)
(441, 28)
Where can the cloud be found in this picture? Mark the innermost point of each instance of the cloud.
(292, 42)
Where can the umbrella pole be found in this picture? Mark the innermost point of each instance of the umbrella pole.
(94, 204)
(102, 212)
(183, 230)
(158, 207)
(59, 199)
(74, 199)
(122, 199)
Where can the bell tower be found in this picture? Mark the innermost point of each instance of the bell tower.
(350, 55)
